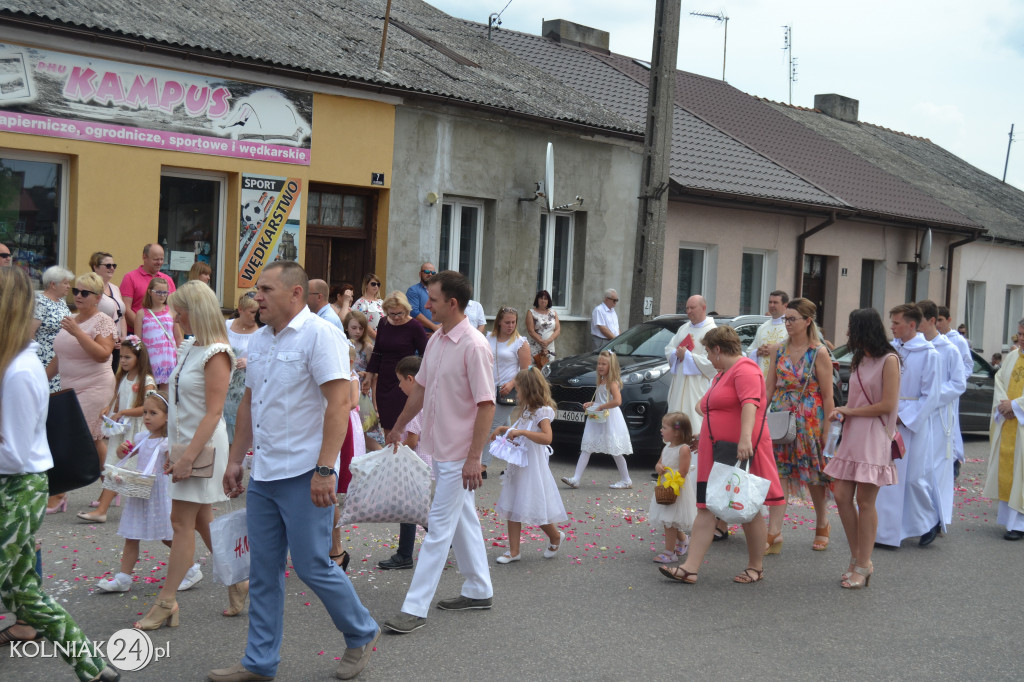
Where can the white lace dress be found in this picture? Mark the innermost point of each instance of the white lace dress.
(149, 519)
(187, 386)
(610, 437)
(529, 494)
(681, 513)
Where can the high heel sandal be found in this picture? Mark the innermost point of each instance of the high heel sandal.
(774, 543)
(858, 570)
(236, 598)
(820, 543)
(161, 614)
(849, 571)
(62, 506)
(342, 560)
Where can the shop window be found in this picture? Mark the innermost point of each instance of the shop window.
(461, 229)
(32, 211)
(690, 280)
(191, 224)
(554, 263)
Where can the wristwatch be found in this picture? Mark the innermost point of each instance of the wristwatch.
(325, 471)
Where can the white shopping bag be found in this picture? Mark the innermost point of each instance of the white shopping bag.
(388, 487)
(735, 495)
(230, 539)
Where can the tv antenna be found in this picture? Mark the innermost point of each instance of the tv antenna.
(1008, 145)
(787, 45)
(721, 16)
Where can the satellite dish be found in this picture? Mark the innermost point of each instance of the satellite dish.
(925, 256)
(549, 178)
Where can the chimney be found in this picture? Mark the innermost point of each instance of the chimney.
(563, 31)
(837, 106)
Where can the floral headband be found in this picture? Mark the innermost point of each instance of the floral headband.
(154, 394)
(134, 341)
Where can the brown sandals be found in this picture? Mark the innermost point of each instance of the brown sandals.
(679, 574)
(744, 578)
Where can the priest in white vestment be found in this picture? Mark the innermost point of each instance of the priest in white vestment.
(770, 335)
(689, 364)
(1005, 478)
(910, 508)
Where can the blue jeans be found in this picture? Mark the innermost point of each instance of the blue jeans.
(280, 517)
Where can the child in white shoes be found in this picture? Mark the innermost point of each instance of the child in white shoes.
(606, 429)
(676, 518)
(529, 493)
(147, 518)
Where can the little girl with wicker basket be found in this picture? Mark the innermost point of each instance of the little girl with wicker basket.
(674, 503)
(144, 517)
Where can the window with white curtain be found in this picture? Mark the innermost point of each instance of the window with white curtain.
(461, 236)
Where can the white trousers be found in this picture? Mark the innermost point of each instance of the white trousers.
(452, 522)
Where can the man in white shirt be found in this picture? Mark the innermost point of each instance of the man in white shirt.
(604, 322)
(293, 416)
(316, 299)
(477, 319)
(952, 385)
(910, 508)
(455, 390)
(770, 335)
(942, 323)
(688, 362)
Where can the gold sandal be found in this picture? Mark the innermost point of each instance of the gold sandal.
(820, 543)
(161, 614)
(237, 594)
(774, 543)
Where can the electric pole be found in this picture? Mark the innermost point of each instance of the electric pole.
(654, 180)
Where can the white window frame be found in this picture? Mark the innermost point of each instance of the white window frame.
(769, 264)
(1013, 310)
(222, 178)
(705, 267)
(456, 235)
(974, 312)
(65, 174)
(547, 279)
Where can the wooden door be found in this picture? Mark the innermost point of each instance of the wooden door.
(814, 283)
(318, 257)
(348, 262)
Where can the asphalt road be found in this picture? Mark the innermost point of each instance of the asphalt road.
(601, 610)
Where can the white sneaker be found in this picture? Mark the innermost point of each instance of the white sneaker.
(548, 552)
(507, 558)
(621, 485)
(193, 576)
(571, 482)
(122, 582)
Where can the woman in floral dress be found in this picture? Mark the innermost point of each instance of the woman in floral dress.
(800, 381)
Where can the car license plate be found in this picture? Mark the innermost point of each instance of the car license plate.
(846, 386)
(571, 416)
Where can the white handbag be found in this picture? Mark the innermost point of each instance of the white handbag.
(388, 487)
(782, 427)
(735, 495)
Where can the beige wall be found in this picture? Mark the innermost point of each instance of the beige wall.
(998, 266)
(727, 232)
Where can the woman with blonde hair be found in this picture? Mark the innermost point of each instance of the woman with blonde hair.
(24, 459)
(800, 381)
(198, 389)
(82, 352)
(240, 331)
(369, 303)
(398, 336)
(511, 353)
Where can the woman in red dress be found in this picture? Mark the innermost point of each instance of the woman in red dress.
(734, 405)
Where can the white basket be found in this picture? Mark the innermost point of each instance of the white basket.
(111, 428)
(130, 482)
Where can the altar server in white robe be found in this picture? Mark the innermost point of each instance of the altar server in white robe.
(770, 335)
(1005, 478)
(688, 362)
(942, 323)
(910, 507)
(953, 384)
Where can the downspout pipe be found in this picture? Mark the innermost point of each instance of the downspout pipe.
(949, 265)
(801, 248)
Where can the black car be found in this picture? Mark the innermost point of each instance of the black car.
(645, 381)
(975, 403)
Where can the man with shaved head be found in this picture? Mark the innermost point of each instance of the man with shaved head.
(316, 299)
(688, 360)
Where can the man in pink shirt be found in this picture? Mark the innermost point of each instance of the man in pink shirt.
(135, 283)
(457, 375)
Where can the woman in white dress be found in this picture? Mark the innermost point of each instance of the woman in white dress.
(511, 353)
(198, 388)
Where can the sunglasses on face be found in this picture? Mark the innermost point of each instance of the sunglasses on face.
(83, 292)
(109, 266)
(613, 300)
(374, 284)
(429, 272)
(5, 255)
(250, 294)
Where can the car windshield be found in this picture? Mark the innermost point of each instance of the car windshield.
(843, 354)
(646, 339)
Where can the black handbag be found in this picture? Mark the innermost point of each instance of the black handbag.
(76, 463)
